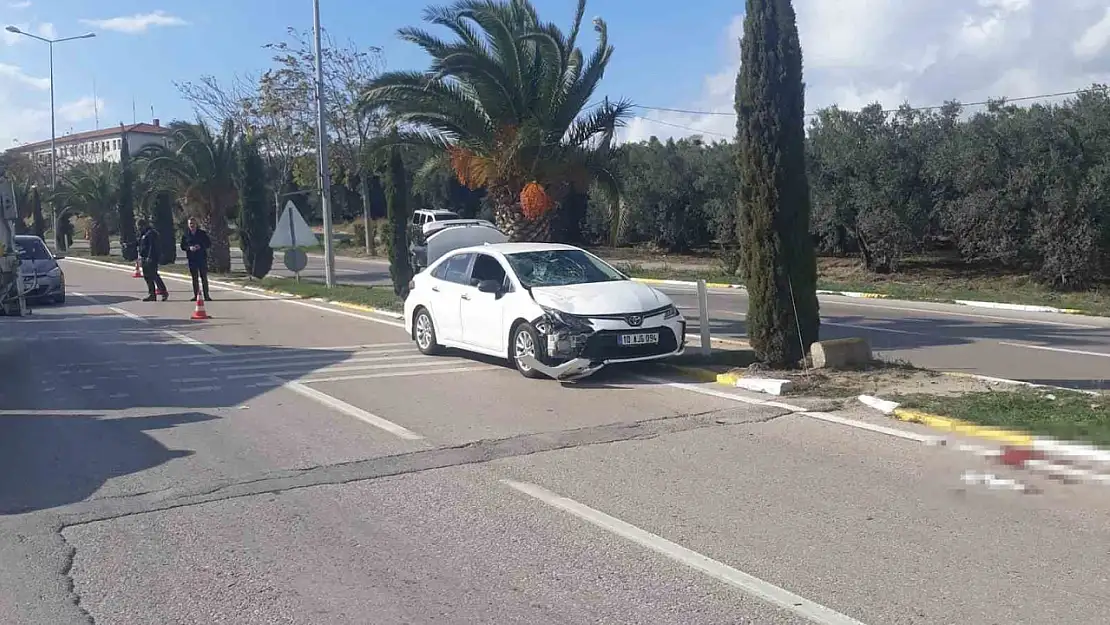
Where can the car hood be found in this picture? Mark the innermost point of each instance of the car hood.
(601, 298)
(39, 267)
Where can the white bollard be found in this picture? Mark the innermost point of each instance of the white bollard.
(703, 318)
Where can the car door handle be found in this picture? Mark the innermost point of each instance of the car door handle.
(466, 297)
(436, 289)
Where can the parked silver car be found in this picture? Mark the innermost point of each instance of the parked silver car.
(43, 280)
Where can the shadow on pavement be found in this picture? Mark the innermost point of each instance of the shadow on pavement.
(39, 473)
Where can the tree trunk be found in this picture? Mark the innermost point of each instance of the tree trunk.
(510, 219)
(219, 255)
(99, 243)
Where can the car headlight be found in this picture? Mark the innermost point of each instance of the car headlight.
(671, 312)
(574, 323)
(54, 273)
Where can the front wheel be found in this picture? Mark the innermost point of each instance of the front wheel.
(526, 342)
(424, 332)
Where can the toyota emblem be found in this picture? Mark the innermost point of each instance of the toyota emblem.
(635, 320)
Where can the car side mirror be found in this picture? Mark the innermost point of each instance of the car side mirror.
(489, 286)
(59, 256)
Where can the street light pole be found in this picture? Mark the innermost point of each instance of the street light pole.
(59, 239)
(324, 176)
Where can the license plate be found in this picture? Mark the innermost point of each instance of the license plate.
(629, 340)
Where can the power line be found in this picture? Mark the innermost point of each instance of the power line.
(681, 127)
(1042, 96)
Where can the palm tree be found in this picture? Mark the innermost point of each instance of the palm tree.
(503, 104)
(92, 190)
(201, 167)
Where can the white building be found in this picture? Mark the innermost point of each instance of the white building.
(96, 146)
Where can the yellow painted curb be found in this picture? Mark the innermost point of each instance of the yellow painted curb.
(728, 379)
(648, 280)
(721, 285)
(875, 295)
(705, 375)
(957, 426)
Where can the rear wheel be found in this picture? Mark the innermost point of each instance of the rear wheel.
(424, 333)
(525, 341)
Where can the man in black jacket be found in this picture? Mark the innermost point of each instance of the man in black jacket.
(195, 243)
(148, 256)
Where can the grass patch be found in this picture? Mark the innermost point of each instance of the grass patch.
(1060, 414)
(381, 297)
(924, 279)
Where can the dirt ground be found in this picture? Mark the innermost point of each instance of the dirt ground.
(880, 379)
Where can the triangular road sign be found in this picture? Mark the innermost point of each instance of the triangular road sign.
(292, 230)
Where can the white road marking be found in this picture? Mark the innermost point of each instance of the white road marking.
(1078, 352)
(750, 584)
(269, 349)
(397, 374)
(353, 411)
(227, 359)
(400, 365)
(188, 340)
(88, 387)
(324, 363)
(129, 314)
(199, 389)
(820, 416)
(119, 395)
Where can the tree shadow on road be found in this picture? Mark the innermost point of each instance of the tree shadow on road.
(38, 472)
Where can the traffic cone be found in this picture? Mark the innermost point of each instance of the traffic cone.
(137, 273)
(198, 312)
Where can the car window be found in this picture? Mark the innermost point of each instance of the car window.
(454, 269)
(31, 249)
(560, 268)
(486, 267)
(416, 217)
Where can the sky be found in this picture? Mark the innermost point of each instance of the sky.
(669, 55)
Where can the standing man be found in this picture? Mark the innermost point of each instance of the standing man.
(195, 243)
(148, 255)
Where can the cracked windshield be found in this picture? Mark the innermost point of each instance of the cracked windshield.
(769, 312)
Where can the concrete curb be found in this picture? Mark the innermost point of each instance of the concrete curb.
(246, 287)
(861, 295)
(1072, 455)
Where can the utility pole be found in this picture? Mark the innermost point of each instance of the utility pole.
(59, 238)
(323, 175)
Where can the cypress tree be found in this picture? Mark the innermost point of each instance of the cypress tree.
(127, 236)
(397, 211)
(779, 262)
(38, 221)
(254, 211)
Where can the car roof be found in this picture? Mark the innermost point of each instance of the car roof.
(517, 248)
(436, 211)
(28, 237)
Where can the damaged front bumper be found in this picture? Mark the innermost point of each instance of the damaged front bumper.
(571, 346)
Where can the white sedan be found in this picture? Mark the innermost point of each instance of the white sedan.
(552, 310)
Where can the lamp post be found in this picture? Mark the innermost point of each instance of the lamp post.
(59, 240)
(324, 176)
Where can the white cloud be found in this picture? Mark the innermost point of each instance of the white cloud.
(19, 5)
(46, 29)
(138, 23)
(1094, 39)
(16, 74)
(80, 110)
(922, 51)
(26, 121)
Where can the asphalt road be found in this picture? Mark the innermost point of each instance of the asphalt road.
(1062, 350)
(287, 462)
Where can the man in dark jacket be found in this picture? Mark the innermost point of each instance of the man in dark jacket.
(195, 243)
(148, 258)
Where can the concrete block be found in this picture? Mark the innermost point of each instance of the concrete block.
(764, 385)
(840, 353)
